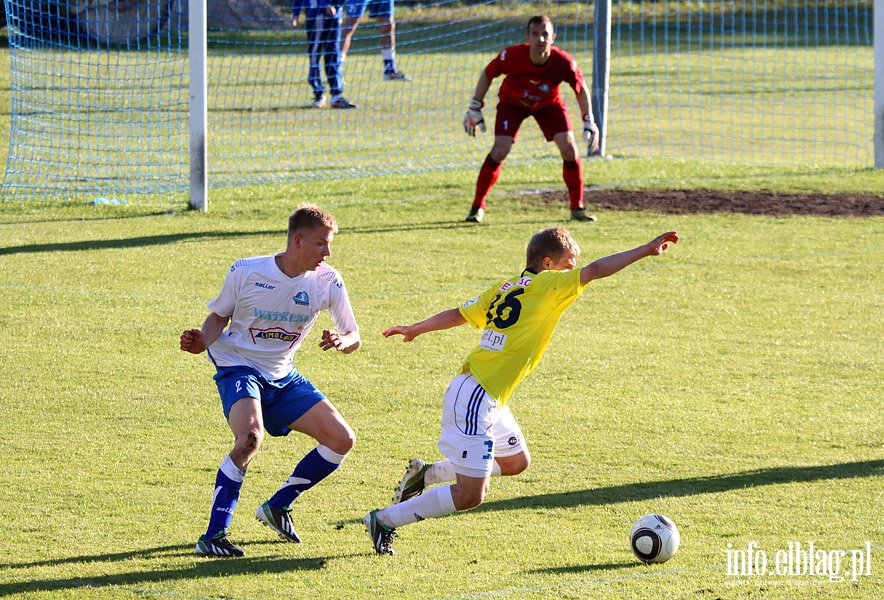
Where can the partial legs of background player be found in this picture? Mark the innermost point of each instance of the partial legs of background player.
(324, 46)
(387, 29)
(572, 173)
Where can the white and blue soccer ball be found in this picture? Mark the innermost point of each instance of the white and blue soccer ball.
(654, 539)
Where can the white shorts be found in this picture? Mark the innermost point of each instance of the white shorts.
(475, 430)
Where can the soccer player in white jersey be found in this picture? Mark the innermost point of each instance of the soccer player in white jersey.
(480, 437)
(266, 307)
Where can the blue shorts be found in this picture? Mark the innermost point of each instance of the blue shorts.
(283, 401)
(376, 8)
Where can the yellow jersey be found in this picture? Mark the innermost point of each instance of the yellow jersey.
(517, 318)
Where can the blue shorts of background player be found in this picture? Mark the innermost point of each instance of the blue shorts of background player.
(382, 11)
(376, 8)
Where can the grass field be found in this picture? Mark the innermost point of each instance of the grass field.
(733, 384)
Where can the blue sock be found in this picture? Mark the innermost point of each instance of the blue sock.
(389, 65)
(227, 485)
(313, 468)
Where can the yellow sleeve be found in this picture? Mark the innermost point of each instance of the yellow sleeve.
(475, 310)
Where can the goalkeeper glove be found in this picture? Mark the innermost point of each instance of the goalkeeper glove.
(474, 118)
(590, 133)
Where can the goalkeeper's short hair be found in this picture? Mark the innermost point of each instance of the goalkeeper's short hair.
(537, 20)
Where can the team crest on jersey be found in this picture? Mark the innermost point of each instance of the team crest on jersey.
(301, 298)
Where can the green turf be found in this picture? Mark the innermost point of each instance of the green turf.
(732, 384)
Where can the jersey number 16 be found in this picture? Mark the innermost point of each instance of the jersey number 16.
(505, 314)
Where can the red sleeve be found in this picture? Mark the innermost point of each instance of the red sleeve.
(573, 76)
(500, 66)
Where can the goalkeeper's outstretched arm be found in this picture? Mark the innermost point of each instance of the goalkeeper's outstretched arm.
(482, 87)
(474, 119)
(590, 129)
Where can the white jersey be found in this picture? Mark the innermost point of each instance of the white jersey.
(271, 313)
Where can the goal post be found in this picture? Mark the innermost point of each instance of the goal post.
(879, 84)
(601, 71)
(199, 105)
(110, 101)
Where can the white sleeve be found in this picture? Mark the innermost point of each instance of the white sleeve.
(225, 302)
(340, 309)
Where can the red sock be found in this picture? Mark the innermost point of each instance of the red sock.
(488, 175)
(572, 173)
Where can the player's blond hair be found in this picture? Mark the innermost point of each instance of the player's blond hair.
(310, 216)
(552, 242)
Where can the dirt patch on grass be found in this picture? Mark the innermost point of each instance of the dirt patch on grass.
(710, 201)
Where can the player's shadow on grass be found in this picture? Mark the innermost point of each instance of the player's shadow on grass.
(135, 242)
(174, 238)
(571, 569)
(482, 228)
(205, 567)
(690, 486)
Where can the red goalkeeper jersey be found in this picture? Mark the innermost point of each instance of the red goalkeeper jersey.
(528, 85)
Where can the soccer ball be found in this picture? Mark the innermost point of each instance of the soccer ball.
(654, 539)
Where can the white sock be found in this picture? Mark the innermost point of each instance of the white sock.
(433, 503)
(330, 455)
(439, 472)
(443, 472)
(232, 472)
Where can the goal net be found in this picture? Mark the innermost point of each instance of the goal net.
(100, 90)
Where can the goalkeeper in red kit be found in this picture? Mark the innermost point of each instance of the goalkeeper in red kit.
(530, 88)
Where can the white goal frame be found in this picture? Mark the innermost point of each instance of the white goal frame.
(879, 83)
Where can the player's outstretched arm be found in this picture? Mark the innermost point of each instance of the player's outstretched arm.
(443, 320)
(608, 265)
(196, 341)
(342, 342)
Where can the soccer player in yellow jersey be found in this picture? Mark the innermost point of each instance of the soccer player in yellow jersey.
(480, 437)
